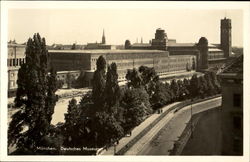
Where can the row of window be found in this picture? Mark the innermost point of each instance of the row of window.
(65, 75)
(15, 62)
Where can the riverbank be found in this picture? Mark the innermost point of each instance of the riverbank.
(205, 139)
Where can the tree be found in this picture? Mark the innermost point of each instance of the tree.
(98, 83)
(182, 90)
(134, 103)
(175, 88)
(194, 86)
(69, 80)
(215, 82)
(35, 98)
(52, 98)
(186, 84)
(112, 89)
(134, 79)
(149, 78)
(161, 96)
(203, 87)
(107, 128)
(127, 44)
(73, 46)
(210, 86)
(72, 119)
(80, 80)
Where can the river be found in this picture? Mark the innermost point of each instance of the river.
(60, 109)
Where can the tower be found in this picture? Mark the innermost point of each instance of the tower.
(103, 38)
(225, 37)
(203, 49)
(161, 40)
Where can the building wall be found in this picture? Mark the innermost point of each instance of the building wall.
(215, 55)
(16, 57)
(124, 59)
(62, 75)
(67, 61)
(232, 115)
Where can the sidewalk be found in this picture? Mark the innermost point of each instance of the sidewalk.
(125, 140)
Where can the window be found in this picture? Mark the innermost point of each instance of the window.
(12, 74)
(237, 122)
(12, 83)
(237, 100)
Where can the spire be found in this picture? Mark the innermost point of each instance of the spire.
(141, 40)
(103, 38)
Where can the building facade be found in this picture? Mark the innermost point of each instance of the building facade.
(16, 57)
(232, 108)
(85, 60)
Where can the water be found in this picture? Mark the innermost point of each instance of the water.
(60, 109)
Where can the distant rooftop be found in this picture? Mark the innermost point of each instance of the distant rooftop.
(174, 44)
(141, 44)
(106, 51)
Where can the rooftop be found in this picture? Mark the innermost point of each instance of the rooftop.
(141, 44)
(106, 51)
(174, 44)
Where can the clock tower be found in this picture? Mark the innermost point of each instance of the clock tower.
(225, 38)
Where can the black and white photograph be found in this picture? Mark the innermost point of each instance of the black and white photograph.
(117, 79)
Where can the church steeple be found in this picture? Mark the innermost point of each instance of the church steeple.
(103, 38)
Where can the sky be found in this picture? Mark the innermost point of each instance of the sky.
(81, 26)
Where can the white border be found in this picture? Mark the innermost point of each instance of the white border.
(245, 6)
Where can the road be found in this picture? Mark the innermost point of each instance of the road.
(160, 139)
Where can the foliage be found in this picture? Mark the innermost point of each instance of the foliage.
(134, 104)
(35, 97)
(59, 84)
(161, 96)
(112, 89)
(133, 78)
(80, 80)
(70, 80)
(149, 79)
(98, 83)
(71, 123)
(107, 128)
(175, 88)
(194, 86)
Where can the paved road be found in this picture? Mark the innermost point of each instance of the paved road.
(160, 139)
(125, 140)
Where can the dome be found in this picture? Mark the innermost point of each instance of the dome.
(203, 41)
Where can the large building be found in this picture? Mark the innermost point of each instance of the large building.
(85, 60)
(16, 57)
(165, 55)
(209, 56)
(232, 108)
